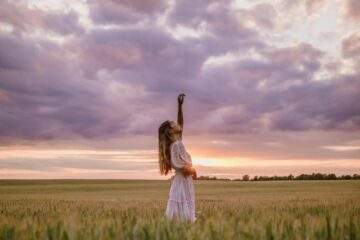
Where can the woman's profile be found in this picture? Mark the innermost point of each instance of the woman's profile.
(173, 155)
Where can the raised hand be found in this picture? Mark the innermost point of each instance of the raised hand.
(181, 98)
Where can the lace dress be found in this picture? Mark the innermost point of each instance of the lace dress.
(181, 203)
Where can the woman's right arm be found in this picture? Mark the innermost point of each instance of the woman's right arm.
(180, 117)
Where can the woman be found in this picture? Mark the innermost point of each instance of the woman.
(173, 155)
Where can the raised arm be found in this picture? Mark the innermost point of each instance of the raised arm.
(180, 118)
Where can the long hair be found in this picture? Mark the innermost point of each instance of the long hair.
(164, 148)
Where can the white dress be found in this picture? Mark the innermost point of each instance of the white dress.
(181, 203)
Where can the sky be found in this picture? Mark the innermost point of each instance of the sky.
(272, 87)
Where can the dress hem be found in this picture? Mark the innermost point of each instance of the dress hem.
(187, 201)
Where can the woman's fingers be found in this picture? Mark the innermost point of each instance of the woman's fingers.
(181, 97)
(194, 175)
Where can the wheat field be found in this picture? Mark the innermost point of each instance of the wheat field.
(134, 209)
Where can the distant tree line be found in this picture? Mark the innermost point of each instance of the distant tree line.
(211, 178)
(313, 176)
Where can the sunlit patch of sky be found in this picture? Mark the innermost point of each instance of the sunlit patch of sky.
(343, 148)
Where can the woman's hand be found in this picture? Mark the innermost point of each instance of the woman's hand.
(186, 170)
(189, 170)
(194, 175)
(181, 98)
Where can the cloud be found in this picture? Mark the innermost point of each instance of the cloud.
(311, 6)
(25, 19)
(73, 163)
(264, 15)
(122, 81)
(219, 19)
(278, 92)
(319, 105)
(20, 56)
(46, 103)
(343, 148)
(351, 46)
(352, 10)
(314, 5)
(125, 12)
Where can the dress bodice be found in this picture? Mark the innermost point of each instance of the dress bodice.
(179, 156)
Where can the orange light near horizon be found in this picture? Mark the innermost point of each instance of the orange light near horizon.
(221, 162)
(247, 162)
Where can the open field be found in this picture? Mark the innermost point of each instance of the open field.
(133, 209)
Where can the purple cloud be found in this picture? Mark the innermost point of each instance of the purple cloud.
(351, 46)
(25, 19)
(125, 12)
(110, 82)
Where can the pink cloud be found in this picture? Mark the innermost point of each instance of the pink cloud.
(23, 18)
(125, 12)
(352, 10)
(314, 5)
(311, 6)
(351, 46)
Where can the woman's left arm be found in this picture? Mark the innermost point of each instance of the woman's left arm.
(180, 118)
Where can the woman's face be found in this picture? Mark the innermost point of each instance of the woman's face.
(175, 128)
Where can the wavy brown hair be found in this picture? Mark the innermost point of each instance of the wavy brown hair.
(164, 148)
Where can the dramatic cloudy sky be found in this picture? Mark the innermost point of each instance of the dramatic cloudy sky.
(273, 87)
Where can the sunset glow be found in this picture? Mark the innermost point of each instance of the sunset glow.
(272, 87)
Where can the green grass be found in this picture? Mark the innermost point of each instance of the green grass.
(134, 209)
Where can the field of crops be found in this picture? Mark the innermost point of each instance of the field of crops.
(134, 209)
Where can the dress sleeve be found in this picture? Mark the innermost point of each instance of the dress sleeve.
(178, 155)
